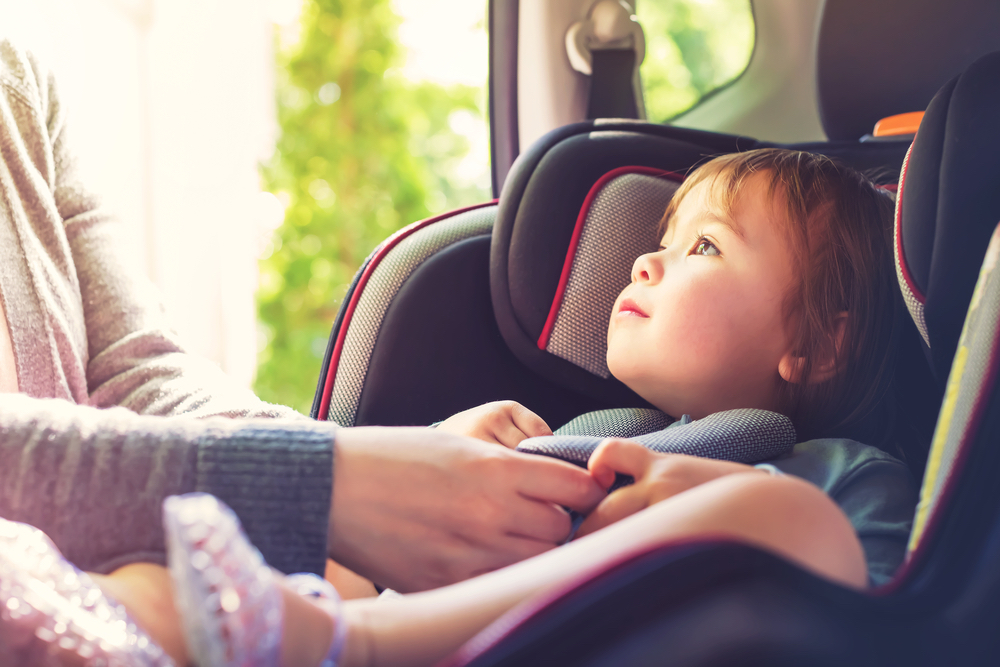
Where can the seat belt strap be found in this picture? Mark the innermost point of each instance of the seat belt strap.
(612, 94)
(608, 47)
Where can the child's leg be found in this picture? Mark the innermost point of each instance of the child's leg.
(782, 514)
(146, 592)
(350, 585)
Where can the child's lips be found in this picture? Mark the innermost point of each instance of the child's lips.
(630, 308)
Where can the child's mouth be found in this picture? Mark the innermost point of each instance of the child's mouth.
(630, 308)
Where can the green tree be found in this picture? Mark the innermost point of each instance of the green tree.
(692, 49)
(362, 152)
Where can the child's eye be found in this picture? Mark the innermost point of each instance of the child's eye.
(705, 247)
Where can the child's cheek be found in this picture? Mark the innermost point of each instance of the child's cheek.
(703, 318)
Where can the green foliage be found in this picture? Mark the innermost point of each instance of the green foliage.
(362, 152)
(692, 48)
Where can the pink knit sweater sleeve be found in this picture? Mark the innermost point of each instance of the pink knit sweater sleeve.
(133, 357)
(105, 423)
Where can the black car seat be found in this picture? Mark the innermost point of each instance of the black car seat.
(448, 313)
(437, 321)
(698, 603)
(415, 339)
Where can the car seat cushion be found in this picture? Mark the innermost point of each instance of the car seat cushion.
(913, 296)
(970, 385)
(617, 423)
(382, 277)
(617, 223)
(947, 206)
(742, 435)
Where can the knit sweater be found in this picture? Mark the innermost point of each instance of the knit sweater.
(113, 414)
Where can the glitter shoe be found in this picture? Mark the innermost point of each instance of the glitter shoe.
(43, 597)
(226, 594)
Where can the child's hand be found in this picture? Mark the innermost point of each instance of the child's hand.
(506, 423)
(657, 477)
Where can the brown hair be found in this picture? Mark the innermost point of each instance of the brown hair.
(839, 229)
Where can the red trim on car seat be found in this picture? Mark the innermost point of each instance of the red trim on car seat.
(387, 245)
(574, 241)
(976, 415)
(502, 628)
(898, 223)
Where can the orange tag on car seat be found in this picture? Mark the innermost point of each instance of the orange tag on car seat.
(902, 123)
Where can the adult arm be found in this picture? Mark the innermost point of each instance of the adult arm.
(411, 508)
(86, 331)
(132, 356)
(127, 356)
(414, 508)
(94, 480)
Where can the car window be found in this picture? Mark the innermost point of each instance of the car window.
(693, 48)
(380, 124)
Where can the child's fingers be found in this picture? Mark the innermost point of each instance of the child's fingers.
(511, 422)
(620, 504)
(530, 424)
(618, 456)
(507, 433)
(504, 423)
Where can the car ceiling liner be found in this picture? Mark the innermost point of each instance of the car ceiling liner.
(878, 59)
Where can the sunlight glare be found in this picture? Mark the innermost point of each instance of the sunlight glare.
(446, 40)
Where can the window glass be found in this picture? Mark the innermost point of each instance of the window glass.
(380, 125)
(693, 47)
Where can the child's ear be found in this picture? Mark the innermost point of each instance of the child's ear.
(791, 366)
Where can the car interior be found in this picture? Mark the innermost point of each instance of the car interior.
(524, 285)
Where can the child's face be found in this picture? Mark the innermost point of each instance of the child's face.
(701, 328)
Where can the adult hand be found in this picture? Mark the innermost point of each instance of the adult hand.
(657, 477)
(414, 508)
(504, 423)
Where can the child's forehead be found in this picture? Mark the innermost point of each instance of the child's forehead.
(713, 194)
(723, 193)
(722, 196)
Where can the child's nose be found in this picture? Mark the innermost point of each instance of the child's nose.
(646, 269)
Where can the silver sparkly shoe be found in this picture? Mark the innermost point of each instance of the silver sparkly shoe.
(43, 597)
(226, 594)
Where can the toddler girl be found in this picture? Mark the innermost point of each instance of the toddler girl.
(773, 288)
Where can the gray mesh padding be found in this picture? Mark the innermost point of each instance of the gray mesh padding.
(966, 390)
(620, 225)
(382, 287)
(744, 435)
(913, 304)
(617, 423)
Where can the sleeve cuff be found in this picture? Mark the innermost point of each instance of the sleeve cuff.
(279, 481)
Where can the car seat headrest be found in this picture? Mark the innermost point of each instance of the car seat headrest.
(876, 59)
(576, 211)
(617, 222)
(948, 205)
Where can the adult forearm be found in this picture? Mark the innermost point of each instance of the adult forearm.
(94, 480)
(277, 477)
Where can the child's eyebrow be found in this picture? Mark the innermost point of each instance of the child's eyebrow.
(728, 221)
(735, 227)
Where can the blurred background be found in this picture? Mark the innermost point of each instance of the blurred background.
(258, 150)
